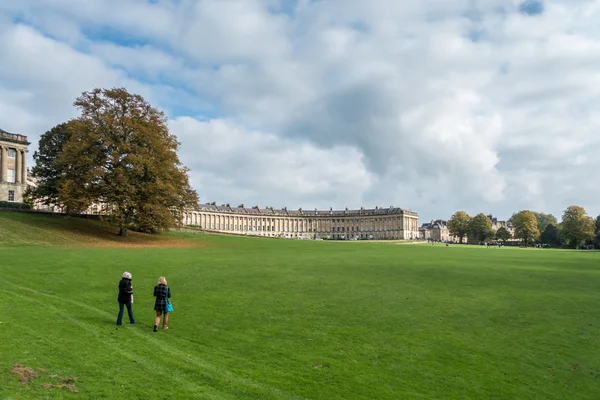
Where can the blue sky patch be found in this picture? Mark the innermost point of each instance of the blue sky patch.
(531, 7)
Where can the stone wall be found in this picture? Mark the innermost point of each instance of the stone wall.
(18, 188)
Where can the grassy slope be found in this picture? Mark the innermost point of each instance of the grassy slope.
(254, 317)
(18, 228)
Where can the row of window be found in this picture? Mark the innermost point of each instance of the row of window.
(311, 221)
(226, 227)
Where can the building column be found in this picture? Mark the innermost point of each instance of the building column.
(3, 164)
(18, 166)
(24, 167)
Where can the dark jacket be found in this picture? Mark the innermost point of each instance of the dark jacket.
(125, 291)
(160, 292)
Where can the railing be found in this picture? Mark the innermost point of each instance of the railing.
(13, 137)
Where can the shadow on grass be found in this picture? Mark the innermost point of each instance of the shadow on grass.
(66, 230)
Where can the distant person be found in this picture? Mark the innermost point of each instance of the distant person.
(125, 298)
(162, 293)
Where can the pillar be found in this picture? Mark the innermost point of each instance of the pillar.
(18, 166)
(3, 164)
(24, 167)
(3, 160)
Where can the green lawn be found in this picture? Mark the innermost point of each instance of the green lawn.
(282, 319)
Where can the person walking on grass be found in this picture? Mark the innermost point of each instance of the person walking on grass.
(162, 304)
(125, 298)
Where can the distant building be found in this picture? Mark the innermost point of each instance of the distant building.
(362, 224)
(436, 230)
(498, 224)
(13, 166)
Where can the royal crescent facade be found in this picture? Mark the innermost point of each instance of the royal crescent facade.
(364, 224)
(13, 166)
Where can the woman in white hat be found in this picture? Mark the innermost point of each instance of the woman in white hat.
(125, 298)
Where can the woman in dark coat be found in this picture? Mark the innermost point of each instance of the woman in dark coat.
(162, 292)
(125, 298)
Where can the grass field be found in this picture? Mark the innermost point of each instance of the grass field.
(281, 319)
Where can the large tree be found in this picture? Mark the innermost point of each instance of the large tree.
(551, 235)
(47, 169)
(597, 225)
(576, 226)
(458, 225)
(120, 153)
(525, 226)
(503, 234)
(543, 220)
(480, 227)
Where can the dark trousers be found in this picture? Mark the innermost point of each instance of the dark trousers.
(129, 311)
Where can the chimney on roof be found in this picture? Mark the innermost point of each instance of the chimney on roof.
(227, 205)
(241, 205)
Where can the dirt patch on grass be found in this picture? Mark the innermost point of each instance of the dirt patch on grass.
(24, 374)
(72, 388)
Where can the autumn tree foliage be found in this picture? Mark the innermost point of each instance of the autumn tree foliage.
(525, 226)
(576, 226)
(458, 225)
(120, 154)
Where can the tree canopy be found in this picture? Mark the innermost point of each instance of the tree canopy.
(576, 226)
(458, 225)
(503, 234)
(551, 235)
(120, 154)
(480, 227)
(525, 226)
(47, 168)
(543, 220)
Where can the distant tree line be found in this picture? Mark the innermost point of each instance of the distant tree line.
(118, 154)
(575, 230)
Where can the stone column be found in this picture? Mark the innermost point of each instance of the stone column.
(18, 166)
(3, 164)
(24, 167)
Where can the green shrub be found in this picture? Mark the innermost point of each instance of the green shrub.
(15, 206)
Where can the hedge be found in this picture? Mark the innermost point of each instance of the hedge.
(17, 206)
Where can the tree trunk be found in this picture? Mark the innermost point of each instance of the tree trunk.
(123, 231)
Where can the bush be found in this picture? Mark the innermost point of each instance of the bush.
(14, 206)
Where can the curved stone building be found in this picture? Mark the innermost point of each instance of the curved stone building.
(364, 224)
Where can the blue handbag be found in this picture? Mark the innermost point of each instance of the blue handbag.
(169, 307)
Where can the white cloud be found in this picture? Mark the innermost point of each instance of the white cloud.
(232, 161)
(435, 106)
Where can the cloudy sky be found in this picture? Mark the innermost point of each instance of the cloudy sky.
(483, 105)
